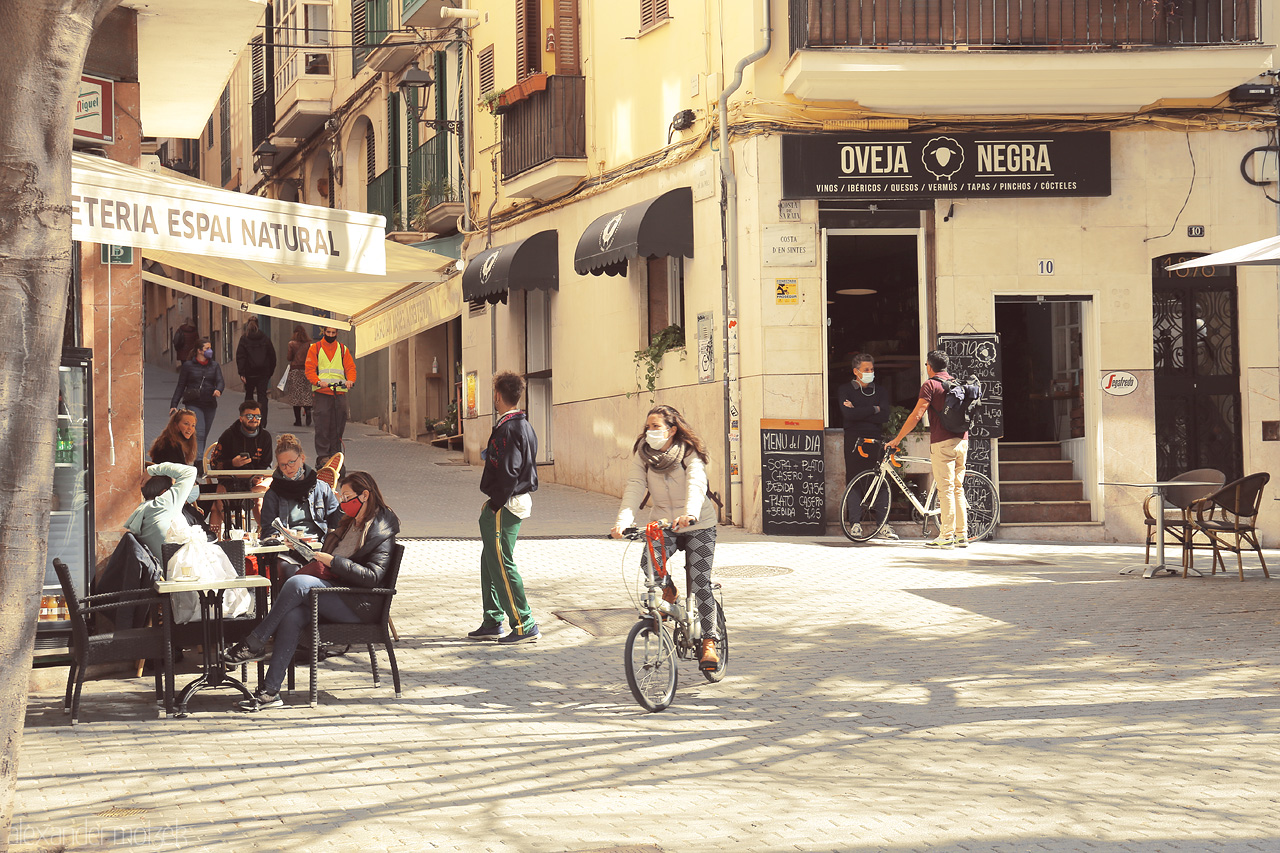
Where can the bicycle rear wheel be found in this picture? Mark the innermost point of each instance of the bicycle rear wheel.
(722, 648)
(982, 507)
(865, 506)
(650, 662)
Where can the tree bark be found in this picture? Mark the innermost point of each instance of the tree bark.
(44, 43)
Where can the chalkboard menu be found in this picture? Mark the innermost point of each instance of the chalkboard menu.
(792, 477)
(979, 456)
(978, 354)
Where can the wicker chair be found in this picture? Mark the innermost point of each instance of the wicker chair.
(331, 470)
(374, 607)
(127, 645)
(1179, 526)
(1228, 517)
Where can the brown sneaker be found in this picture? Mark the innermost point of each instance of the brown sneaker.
(710, 659)
(669, 593)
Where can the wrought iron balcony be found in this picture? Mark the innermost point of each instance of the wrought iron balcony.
(545, 126)
(1012, 24)
(382, 197)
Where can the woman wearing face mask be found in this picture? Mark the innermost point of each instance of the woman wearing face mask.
(199, 387)
(356, 554)
(301, 502)
(669, 460)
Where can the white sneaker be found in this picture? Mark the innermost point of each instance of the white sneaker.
(962, 541)
(886, 532)
(944, 542)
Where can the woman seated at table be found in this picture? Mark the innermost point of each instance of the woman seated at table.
(177, 444)
(303, 503)
(355, 554)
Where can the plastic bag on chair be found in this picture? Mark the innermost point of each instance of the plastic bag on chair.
(207, 562)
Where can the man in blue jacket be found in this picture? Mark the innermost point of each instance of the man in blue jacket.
(510, 475)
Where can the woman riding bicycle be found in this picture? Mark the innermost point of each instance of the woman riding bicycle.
(670, 461)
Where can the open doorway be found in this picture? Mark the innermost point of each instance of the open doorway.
(873, 306)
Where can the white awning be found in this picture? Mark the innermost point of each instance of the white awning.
(1261, 253)
(344, 294)
(335, 260)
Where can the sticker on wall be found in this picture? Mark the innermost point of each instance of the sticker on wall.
(473, 378)
(1119, 383)
(706, 348)
(787, 291)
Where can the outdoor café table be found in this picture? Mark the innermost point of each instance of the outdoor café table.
(1157, 488)
(210, 593)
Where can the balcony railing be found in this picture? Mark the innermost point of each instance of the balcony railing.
(430, 180)
(1008, 24)
(383, 197)
(545, 126)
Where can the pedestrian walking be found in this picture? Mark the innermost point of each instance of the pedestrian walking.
(297, 388)
(865, 407)
(510, 476)
(331, 369)
(185, 338)
(669, 463)
(947, 452)
(200, 384)
(256, 363)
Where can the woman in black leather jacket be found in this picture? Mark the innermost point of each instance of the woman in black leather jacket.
(355, 554)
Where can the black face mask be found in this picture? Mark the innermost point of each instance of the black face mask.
(330, 338)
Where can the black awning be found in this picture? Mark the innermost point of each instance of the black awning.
(529, 264)
(653, 228)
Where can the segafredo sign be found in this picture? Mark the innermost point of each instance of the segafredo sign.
(1119, 383)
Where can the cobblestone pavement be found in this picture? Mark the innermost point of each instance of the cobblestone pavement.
(881, 697)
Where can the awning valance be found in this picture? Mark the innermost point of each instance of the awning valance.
(660, 226)
(125, 206)
(529, 264)
(1261, 253)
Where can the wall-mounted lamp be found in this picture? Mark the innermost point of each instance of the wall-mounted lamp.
(414, 78)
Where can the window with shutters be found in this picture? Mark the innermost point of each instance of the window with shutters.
(359, 35)
(485, 63)
(224, 136)
(652, 13)
(208, 133)
(568, 56)
(370, 156)
(528, 38)
(264, 103)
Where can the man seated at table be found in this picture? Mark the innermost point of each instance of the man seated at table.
(163, 492)
(244, 444)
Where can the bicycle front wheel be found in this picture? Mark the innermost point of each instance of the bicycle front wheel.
(650, 660)
(722, 649)
(982, 507)
(865, 506)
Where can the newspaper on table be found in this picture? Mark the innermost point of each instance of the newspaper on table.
(294, 541)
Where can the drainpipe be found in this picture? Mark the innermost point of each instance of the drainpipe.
(729, 285)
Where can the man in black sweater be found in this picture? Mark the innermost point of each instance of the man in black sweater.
(244, 444)
(866, 408)
(510, 475)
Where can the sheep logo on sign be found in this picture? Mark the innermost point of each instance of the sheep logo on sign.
(486, 269)
(611, 230)
(943, 157)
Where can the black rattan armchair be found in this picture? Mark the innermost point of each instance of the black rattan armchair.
(129, 644)
(374, 607)
(1228, 517)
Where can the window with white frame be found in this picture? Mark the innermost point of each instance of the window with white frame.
(303, 35)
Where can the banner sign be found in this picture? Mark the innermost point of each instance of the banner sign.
(883, 166)
(424, 309)
(124, 206)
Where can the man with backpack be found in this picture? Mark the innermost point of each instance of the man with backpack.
(947, 446)
(256, 362)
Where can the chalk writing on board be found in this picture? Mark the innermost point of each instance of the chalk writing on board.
(793, 481)
(978, 354)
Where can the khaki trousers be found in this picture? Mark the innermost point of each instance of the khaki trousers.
(948, 458)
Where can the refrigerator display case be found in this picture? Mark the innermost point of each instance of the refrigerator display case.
(71, 519)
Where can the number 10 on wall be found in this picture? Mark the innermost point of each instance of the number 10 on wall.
(1044, 267)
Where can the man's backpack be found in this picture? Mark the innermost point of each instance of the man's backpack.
(959, 404)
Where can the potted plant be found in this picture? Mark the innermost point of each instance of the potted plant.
(435, 208)
(916, 442)
(649, 360)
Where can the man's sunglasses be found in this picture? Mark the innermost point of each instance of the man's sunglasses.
(252, 417)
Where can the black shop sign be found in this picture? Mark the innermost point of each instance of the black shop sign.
(792, 478)
(882, 166)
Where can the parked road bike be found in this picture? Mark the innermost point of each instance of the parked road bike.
(867, 500)
(667, 632)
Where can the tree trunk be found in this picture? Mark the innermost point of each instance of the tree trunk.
(44, 43)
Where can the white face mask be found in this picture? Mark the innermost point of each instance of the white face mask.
(656, 438)
(869, 377)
